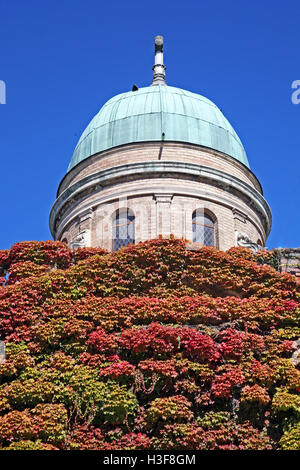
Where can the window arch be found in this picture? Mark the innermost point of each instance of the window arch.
(203, 228)
(123, 228)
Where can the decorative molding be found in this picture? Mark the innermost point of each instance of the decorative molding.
(163, 198)
(156, 169)
(239, 215)
(82, 240)
(242, 239)
(142, 145)
(86, 215)
(132, 193)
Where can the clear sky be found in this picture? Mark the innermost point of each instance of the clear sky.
(62, 60)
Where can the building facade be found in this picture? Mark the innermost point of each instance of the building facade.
(160, 161)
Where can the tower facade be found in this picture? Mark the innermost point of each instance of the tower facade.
(160, 161)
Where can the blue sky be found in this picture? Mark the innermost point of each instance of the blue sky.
(62, 60)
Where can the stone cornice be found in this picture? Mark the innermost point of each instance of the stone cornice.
(149, 144)
(121, 193)
(156, 169)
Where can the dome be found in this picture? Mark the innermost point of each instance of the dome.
(147, 113)
(148, 161)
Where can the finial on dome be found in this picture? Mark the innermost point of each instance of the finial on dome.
(159, 68)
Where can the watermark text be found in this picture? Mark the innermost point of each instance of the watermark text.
(295, 97)
(2, 92)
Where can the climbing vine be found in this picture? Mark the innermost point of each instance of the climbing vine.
(150, 347)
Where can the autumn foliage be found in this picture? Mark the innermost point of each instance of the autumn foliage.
(151, 347)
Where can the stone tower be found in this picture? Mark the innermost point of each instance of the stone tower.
(157, 161)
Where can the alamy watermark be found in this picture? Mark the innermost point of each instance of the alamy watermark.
(2, 92)
(2, 352)
(125, 223)
(295, 97)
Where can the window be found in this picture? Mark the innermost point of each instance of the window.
(123, 228)
(203, 228)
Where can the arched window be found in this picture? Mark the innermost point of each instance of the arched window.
(123, 228)
(203, 228)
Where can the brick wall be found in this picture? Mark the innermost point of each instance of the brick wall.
(289, 260)
(152, 151)
(156, 217)
(162, 205)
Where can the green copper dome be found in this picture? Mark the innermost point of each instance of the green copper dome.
(145, 114)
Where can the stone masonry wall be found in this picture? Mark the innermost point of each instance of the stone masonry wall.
(163, 204)
(162, 207)
(153, 151)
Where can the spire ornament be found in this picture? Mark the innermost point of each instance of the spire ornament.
(159, 69)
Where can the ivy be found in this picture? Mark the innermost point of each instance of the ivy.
(150, 347)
